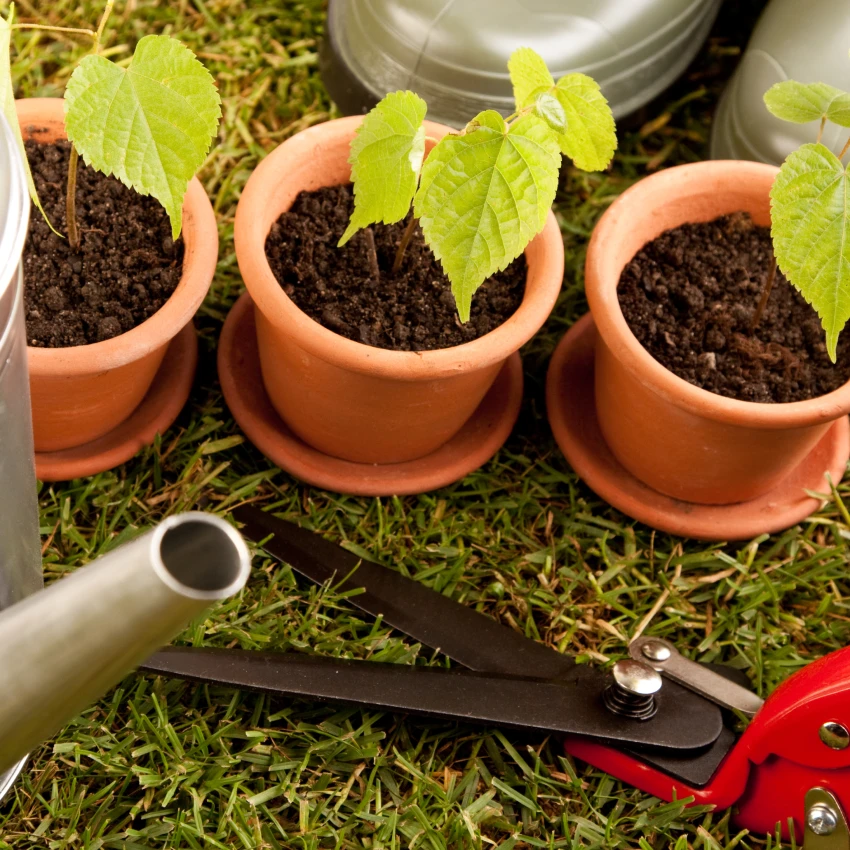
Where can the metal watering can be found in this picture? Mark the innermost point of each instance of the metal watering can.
(62, 648)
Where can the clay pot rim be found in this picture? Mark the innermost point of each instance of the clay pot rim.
(602, 277)
(200, 235)
(547, 250)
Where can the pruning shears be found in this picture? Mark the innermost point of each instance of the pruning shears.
(657, 720)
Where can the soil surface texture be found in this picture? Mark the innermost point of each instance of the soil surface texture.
(124, 270)
(353, 291)
(690, 296)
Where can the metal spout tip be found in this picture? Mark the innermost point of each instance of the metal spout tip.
(200, 556)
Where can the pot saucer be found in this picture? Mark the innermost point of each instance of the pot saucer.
(157, 411)
(242, 383)
(572, 415)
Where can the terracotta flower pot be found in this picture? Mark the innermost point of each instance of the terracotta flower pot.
(680, 440)
(83, 392)
(346, 399)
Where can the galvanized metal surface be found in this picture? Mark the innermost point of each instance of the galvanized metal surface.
(63, 648)
(20, 556)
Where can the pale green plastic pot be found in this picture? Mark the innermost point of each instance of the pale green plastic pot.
(454, 53)
(803, 40)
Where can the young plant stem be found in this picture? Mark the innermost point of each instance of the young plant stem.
(71, 201)
(519, 113)
(71, 194)
(372, 253)
(820, 129)
(402, 246)
(765, 295)
(107, 11)
(844, 149)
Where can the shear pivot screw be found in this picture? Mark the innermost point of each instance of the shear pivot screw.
(834, 735)
(821, 819)
(632, 693)
(656, 650)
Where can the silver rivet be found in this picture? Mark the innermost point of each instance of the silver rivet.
(821, 819)
(834, 735)
(656, 650)
(636, 678)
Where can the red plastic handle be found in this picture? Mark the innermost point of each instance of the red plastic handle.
(777, 760)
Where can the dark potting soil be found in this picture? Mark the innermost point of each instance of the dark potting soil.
(125, 269)
(353, 291)
(690, 295)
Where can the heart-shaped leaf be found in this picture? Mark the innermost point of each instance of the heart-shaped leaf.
(386, 158)
(804, 102)
(810, 210)
(529, 75)
(150, 124)
(484, 195)
(590, 138)
(585, 124)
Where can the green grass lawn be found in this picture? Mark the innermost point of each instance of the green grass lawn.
(164, 764)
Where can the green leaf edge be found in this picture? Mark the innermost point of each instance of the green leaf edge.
(839, 116)
(356, 224)
(778, 222)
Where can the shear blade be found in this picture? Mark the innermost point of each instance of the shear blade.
(466, 636)
(572, 705)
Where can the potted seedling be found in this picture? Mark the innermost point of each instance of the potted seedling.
(383, 318)
(715, 384)
(126, 252)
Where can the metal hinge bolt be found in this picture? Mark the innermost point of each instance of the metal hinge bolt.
(632, 693)
(656, 650)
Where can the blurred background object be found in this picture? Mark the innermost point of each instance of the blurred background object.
(454, 53)
(20, 543)
(803, 41)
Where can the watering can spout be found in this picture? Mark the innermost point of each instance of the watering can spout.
(62, 648)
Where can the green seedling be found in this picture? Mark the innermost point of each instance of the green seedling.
(149, 124)
(810, 206)
(482, 194)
